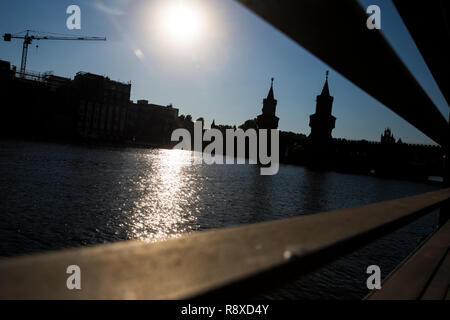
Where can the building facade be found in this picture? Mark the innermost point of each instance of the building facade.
(102, 106)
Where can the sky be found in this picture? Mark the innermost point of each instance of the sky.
(212, 59)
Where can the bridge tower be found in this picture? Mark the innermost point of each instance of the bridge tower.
(322, 122)
(268, 119)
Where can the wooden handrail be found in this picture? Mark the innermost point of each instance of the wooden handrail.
(210, 263)
(425, 274)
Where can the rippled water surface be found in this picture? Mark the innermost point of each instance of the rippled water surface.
(56, 196)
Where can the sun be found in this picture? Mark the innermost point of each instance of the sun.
(183, 22)
(181, 30)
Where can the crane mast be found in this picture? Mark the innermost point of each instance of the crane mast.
(29, 38)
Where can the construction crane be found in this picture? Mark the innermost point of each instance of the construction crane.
(29, 37)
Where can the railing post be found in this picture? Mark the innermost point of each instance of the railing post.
(445, 208)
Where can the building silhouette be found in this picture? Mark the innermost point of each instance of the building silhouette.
(93, 108)
(387, 136)
(151, 123)
(268, 119)
(101, 105)
(322, 122)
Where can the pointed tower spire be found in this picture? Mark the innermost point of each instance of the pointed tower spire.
(270, 95)
(325, 90)
(268, 119)
(322, 122)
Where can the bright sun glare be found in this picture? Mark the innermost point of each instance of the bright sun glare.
(183, 22)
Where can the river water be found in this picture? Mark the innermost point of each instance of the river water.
(57, 196)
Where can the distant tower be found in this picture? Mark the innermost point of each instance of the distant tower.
(322, 122)
(387, 137)
(268, 119)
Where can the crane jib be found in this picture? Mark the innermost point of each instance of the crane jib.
(27, 39)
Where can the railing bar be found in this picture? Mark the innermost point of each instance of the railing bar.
(259, 284)
(431, 38)
(206, 262)
(412, 279)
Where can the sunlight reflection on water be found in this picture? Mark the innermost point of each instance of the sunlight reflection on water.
(164, 186)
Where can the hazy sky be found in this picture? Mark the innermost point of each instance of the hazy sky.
(213, 60)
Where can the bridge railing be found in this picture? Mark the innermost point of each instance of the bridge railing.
(239, 261)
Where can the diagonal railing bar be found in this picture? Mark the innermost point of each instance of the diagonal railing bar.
(216, 263)
(432, 38)
(415, 277)
(336, 32)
